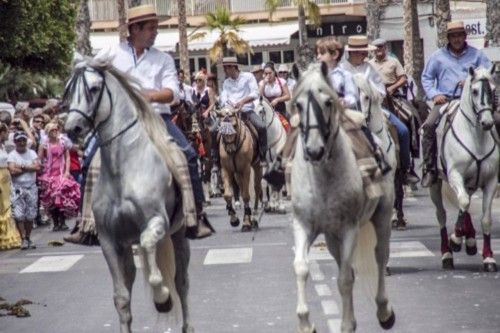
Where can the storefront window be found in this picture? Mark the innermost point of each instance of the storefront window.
(256, 58)
(202, 63)
(288, 56)
(275, 56)
(242, 59)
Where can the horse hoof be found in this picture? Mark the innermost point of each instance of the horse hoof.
(471, 250)
(490, 267)
(235, 223)
(166, 306)
(255, 224)
(246, 228)
(454, 246)
(387, 325)
(448, 263)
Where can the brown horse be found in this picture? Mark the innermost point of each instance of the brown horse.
(238, 156)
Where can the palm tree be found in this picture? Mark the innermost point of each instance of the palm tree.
(183, 40)
(122, 20)
(83, 29)
(413, 53)
(306, 55)
(493, 22)
(134, 3)
(443, 16)
(373, 14)
(228, 41)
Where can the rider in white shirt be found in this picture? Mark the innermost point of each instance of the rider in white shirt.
(239, 90)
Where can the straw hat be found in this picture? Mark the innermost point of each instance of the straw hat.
(379, 42)
(229, 61)
(358, 43)
(7, 107)
(283, 68)
(141, 13)
(455, 26)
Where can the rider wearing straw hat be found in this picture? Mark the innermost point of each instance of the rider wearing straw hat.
(442, 80)
(155, 71)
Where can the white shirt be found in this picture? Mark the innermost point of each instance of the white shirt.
(3, 157)
(291, 83)
(186, 93)
(274, 89)
(154, 69)
(27, 158)
(243, 86)
(368, 71)
(343, 83)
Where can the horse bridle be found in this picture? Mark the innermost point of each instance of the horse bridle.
(324, 126)
(79, 73)
(486, 99)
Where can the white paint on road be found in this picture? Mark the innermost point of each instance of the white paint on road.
(411, 249)
(315, 271)
(330, 307)
(228, 256)
(52, 264)
(319, 253)
(323, 290)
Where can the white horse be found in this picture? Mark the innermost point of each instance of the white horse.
(276, 138)
(138, 202)
(371, 107)
(328, 197)
(468, 160)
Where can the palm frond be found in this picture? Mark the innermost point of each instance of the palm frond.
(313, 13)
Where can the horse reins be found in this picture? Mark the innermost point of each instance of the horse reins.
(79, 73)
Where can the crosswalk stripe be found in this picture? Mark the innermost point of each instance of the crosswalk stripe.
(330, 307)
(334, 325)
(52, 264)
(229, 256)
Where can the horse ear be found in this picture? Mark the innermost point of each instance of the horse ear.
(295, 71)
(471, 71)
(324, 70)
(261, 98)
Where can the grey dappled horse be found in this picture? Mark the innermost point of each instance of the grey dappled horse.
(328, 197)
(468, 160)
(276, 138)
(136, 199)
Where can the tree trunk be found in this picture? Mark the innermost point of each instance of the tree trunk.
(493, 22)
(373, 14)
(83, 29)
(183, 40)
(413, 53)
(443, 16)
(122, 20)
(306, 55)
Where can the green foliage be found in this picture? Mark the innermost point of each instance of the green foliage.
(310, 6)
(37, 35)
(19, 84)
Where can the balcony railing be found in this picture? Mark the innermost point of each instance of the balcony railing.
(105, 10)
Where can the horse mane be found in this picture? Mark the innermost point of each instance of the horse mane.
(364, 85)
(152, 122)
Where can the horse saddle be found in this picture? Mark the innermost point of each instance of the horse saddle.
(255, 137)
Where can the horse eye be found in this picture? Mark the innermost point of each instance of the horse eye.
(94, 90)
(329, 102)
(298, 106)
(474, 92)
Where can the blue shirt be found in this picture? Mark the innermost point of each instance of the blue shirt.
(445, 69)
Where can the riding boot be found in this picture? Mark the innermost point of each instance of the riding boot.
(177, 164)
(377, 151)
(429, 150)
(203, 228)
(263, 145)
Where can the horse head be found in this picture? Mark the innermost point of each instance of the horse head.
(368, 96)
(87, 98)
(478, 96)
(317, 106)
(228, 124)
(264, 109)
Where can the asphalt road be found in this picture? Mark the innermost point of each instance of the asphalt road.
(244, 282)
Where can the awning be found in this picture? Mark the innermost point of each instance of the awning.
(165, 41)
(255, 34)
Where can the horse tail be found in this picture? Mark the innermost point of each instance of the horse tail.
(364, 263)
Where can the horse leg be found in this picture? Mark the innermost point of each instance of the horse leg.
(149, 239)
(303, 239)
(437, 199)
(345, 281)
(457, 184)
(182, 257)
(228, 196)
(243, 181)
(120, 262)
(489, 262)
(398, 201)
(385, 313)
